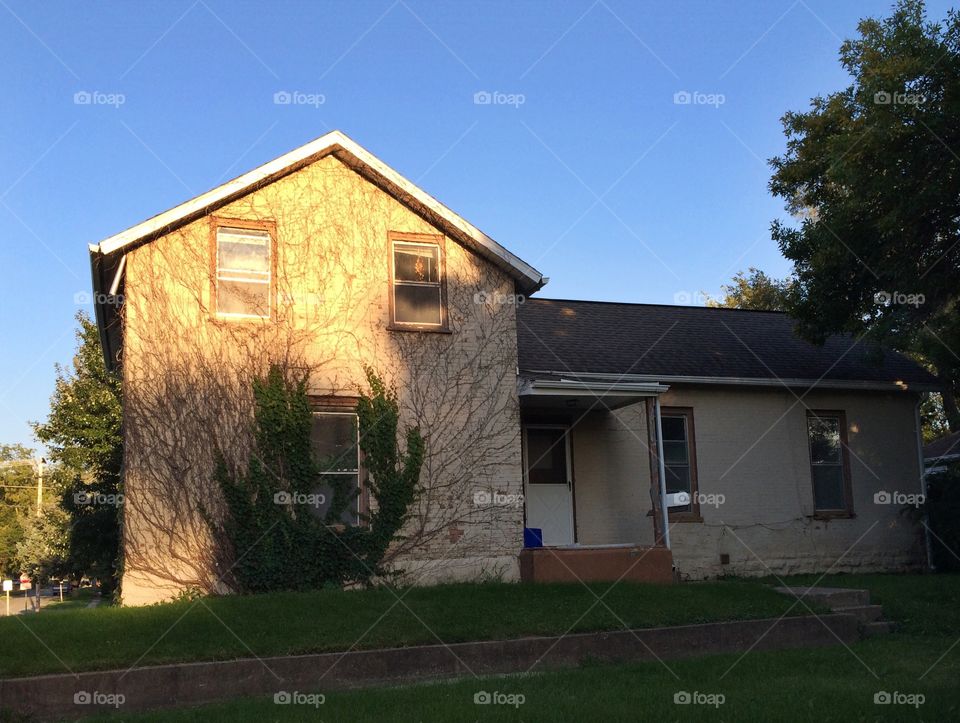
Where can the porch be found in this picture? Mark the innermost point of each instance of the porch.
(594, 495)
(597, 563)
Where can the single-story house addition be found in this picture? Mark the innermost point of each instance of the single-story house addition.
(566, 439)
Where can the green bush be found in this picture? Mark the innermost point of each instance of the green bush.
(286, 546)
(943, 510)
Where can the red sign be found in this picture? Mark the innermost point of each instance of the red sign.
(24, 579)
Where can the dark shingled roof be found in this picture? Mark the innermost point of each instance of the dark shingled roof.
(650, 339)
(944, 447)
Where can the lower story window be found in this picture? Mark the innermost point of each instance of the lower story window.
(679, 457)
(829, 465)
(336, 449)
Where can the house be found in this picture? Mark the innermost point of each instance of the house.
(613, 440)
(942, 453)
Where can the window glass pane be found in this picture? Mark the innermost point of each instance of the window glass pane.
(335, 444)
(351, 515)
(334, 441)
(678, 478)
(824, 440)
(546, 456)
(243, 297)
(828, 487)
(675, 452)
(416, 263)
(674, 428)
(243, 251)
(417, 304)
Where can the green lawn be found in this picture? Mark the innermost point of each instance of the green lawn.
(830, 684)
(77, 599)
(329, 620)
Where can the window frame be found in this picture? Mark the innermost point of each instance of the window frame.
(693, 514)
(266, 226)
(336, 404)
(418, 239)
(847, 510)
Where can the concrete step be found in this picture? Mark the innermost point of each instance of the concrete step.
(831, 597)
(877, 627)
(863, 613)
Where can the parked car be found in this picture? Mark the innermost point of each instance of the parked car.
(52, 588)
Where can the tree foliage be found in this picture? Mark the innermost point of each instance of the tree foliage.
(872, 172)
(82, 433)
(754, 291)
(276, 538)
(18, 477)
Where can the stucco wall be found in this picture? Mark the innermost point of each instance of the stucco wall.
(751, 448)
(186, 377)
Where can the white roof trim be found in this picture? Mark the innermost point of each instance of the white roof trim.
(326, 144)
(745, 381)
(572, 388)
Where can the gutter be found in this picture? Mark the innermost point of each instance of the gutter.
(853, 385)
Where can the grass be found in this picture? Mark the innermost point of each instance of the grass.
(77, 599)
(822, 685)
(329, 620)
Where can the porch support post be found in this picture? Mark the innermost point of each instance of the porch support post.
(664, 520)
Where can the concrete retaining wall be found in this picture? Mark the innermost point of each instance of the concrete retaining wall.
(68, 696)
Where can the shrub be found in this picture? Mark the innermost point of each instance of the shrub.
(276, 540)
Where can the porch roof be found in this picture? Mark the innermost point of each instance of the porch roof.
(558, 392)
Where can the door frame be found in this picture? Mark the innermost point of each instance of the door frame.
(571, 479)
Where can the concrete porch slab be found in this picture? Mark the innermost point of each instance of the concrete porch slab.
(596, 564)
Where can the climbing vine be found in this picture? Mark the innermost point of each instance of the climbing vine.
(272, 535)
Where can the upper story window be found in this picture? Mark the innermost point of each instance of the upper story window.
(418, 295)
(829, 463)
(244, 269)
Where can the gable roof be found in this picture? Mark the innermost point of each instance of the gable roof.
(697, 344)
(361, 160)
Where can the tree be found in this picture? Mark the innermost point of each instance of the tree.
(82, 434)
(271, 536)
(18, 480)
(44, 549)
(873, 174)
(756, 291)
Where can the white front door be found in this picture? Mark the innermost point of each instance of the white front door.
(548, 482)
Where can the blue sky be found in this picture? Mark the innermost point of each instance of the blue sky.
(586, 167)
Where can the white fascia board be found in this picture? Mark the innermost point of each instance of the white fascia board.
(852, 385)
